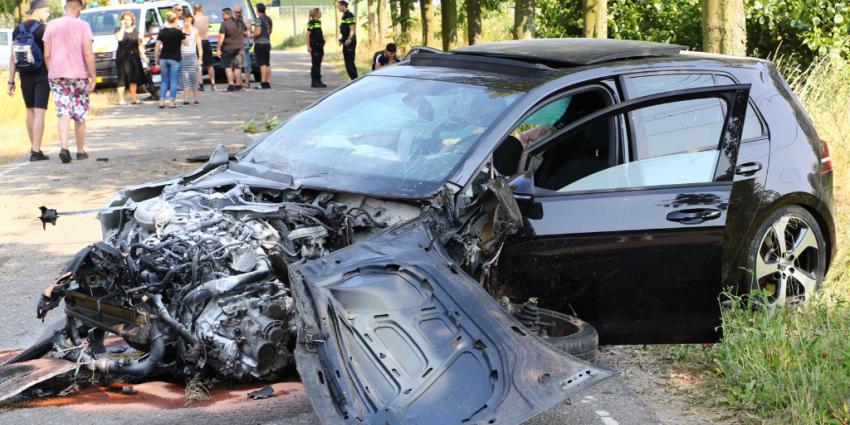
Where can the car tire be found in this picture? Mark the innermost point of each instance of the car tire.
(567, 333)
(790, 269)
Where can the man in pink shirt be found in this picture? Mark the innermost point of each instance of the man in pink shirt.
(70, 71)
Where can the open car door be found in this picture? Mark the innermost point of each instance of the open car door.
(637, 249)
(393, 332)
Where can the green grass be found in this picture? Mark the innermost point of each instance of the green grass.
(785, 366)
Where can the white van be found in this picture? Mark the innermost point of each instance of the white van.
(5, 47)
(105, 21)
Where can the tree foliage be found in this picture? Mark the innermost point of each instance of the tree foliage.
(803, 29)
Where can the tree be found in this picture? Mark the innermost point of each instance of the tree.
(394, 15)
(522, 13)
(404, 20)
(595, 18)
(427, 21)
(371, 19)
(383, 20)
(448, 19)
(724, 27)
(473, 21)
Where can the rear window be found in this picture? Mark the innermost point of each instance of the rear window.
(105, 22)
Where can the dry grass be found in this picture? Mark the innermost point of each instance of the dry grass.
(15, 142)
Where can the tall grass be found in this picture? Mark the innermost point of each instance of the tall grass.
(793, 366)
(13, 114)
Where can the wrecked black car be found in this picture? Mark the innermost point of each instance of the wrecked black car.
(441, 241)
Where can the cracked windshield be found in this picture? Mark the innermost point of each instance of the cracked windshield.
(410, 134)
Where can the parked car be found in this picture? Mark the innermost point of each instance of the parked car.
(6, 43)
(413, 254)
(105, 21)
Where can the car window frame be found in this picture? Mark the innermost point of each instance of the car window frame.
(528, 156)
(621, 82)
(614, 98)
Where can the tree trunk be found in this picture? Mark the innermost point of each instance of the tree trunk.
(394, 16)
(473, 21)
(448, 19)
(404, 20)
(595, 18)
(371, 20)
(383, 20)
(724, 27)
(522, 12)
(427, 21)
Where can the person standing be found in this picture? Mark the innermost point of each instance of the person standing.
(263, 46)
(247, 43)
(128, 58)
(202, 23)
(167, 56)
(177, 8)
(348, 39)
(70, 71)
(316, 47)
(190, 54)
(33, 73)
(230, 49)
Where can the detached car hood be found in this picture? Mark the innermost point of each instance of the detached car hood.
(393, 332)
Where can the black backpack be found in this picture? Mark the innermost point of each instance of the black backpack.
(375, 58)
(28, 56)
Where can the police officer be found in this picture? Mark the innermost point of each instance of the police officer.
(316, 47)
(347, 29)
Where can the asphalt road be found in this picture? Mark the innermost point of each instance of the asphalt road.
(143, 143)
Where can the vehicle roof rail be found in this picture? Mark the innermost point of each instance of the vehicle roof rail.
(478, 63)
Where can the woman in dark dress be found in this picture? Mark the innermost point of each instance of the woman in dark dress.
(128, 58)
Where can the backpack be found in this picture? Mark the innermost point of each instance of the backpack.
(28, 56)
(375, 58)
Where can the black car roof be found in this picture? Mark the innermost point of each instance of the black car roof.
(572, 51)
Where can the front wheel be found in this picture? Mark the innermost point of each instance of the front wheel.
(787, 257)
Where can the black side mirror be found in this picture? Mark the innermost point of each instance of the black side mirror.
(522, 187)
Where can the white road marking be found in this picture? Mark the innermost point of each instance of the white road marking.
(12, 168)
(606, 418)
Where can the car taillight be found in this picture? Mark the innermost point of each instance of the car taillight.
(825, 159)
(154, 69)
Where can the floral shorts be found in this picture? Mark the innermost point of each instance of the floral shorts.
(70, 97)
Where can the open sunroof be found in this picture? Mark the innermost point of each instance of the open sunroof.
(571, 51)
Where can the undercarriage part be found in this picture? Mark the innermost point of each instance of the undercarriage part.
(141, 367)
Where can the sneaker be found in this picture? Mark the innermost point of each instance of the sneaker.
(65, 156)
(231, 88)
(82, 155)
(38, 156)
(266, 85)
(201, 88)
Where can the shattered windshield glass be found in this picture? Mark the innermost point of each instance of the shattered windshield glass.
(385, 135)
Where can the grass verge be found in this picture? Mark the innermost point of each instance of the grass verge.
(786, 366)
(13, 114)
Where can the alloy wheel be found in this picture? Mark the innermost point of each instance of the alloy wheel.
(786, 265)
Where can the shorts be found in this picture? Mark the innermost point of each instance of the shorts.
(262, 54)
(36, 90)
(232, 58)
(207, 59)
(70, 97)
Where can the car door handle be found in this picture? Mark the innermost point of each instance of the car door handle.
(694, 216)
(748, 169)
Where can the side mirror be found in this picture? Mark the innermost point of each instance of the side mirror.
(522, 187)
